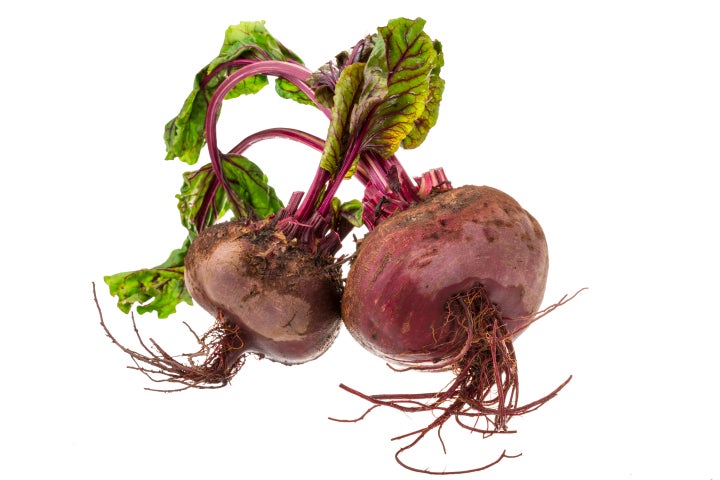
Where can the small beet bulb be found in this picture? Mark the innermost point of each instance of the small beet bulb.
(446, 285)
(271, 297)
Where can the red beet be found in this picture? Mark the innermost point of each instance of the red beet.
(282, 301)
(271, 297)
(447, 284)
(408, 268)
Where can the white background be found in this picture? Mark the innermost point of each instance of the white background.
(601, 118)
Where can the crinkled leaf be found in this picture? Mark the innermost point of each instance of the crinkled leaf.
(248, 86)
(402, 61)
(290, 91)
(185, 134)
(202, 201)
(249, 188)
(251, 36)
(344, 102)
(324, 80)
(158, 289)
(429, 117)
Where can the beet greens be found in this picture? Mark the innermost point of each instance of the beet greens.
(392, 78)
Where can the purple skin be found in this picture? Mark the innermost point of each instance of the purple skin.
(416, 260)
(275, 298)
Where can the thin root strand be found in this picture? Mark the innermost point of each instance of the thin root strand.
(219, 358)
(486, 383)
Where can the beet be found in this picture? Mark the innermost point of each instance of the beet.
(446, 285)
(408, 268)
(270, 296)
(281, 301)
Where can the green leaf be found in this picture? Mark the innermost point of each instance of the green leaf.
(324, 79)
(158, 289)
(249, 86)
(402, 61)
(290, 91)
(185, 134)
(250, 36)
(177, 256)
(429, 117)
(202, 201)
(352, 212)
(344, 103)
(249, 188)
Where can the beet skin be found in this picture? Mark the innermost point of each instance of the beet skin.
(406, 270)
(278, 299)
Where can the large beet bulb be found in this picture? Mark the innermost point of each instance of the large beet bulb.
(408, 268)
(446, 285)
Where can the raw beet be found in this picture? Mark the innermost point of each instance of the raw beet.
(282, 301)
(447, 284)
(269, 296)
(408, 268)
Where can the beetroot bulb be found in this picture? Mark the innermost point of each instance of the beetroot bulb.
(468, 242)
(279, 301)
(447, 284)
(270, 296)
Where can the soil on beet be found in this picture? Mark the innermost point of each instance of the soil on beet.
(270, 297)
